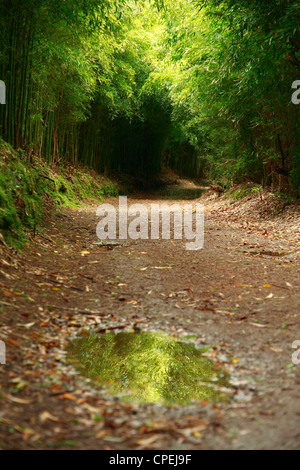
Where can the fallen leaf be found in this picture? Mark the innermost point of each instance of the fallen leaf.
(45, 416)
(68, 396)
(259, 325)
(22, 401)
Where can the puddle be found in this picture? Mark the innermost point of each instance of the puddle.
(267, 253)
(148, 368)
(110, 244)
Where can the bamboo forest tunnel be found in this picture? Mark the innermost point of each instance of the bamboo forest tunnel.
(121, 145)
(120, 332)
(131, 87)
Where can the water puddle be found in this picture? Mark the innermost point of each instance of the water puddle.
(267, 253)
(148, 368)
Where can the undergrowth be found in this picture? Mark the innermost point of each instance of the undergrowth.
(28, 187)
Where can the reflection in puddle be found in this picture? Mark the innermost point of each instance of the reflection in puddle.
(148, 368)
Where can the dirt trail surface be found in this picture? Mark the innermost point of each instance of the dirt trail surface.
(240, 295)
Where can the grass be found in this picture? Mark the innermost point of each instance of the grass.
(243, 192)
(248, 190)
(29, 188)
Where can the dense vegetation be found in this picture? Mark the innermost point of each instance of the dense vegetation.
(28, 191)
(125, 86)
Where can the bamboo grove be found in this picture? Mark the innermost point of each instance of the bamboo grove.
(203, 87)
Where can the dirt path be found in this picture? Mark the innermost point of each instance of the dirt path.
(241, 295)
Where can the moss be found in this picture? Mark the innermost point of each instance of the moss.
(26, 188)
(242, 192)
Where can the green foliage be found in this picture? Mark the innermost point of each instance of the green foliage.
(148, 368)
(129, 87)
(21, 195)
(27, 188)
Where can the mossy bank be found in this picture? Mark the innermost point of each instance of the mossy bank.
(30, 188)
